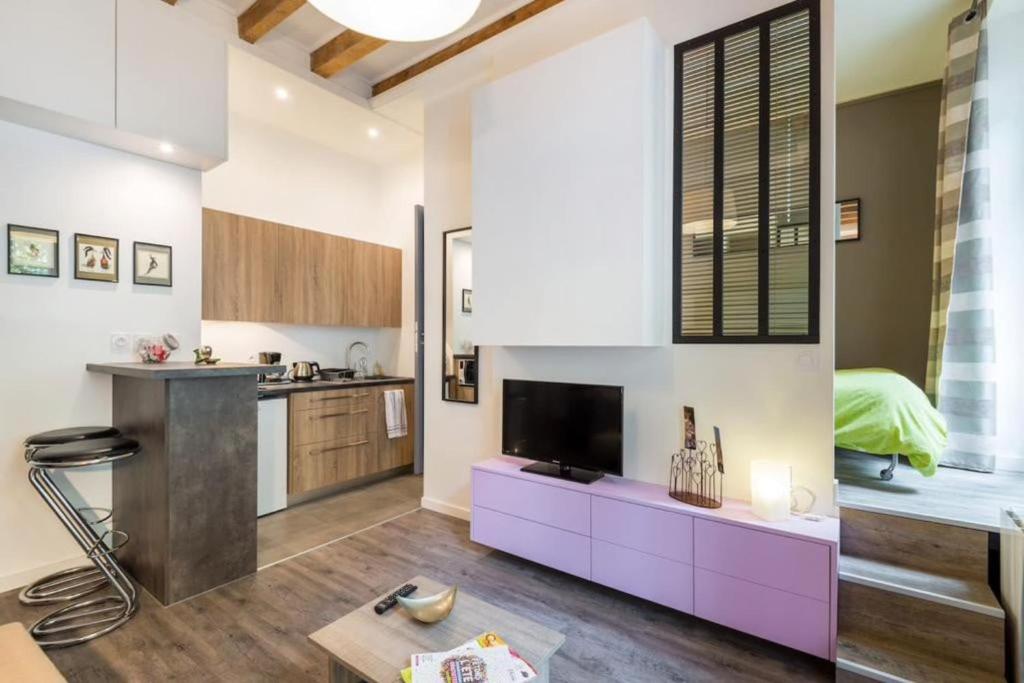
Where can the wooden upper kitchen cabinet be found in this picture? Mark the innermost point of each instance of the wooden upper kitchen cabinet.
(259, 271)
(240, 268)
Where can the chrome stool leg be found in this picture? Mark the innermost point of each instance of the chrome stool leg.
(84, 620)
(70, 584)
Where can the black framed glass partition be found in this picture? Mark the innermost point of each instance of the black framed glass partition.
(746, 206)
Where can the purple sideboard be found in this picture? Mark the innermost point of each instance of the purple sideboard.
(775, 580)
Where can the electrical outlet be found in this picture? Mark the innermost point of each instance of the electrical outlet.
(807, 361)
(120, 342)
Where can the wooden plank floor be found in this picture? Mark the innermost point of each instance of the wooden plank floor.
(971, 499)
(298, 529)
(255, 629)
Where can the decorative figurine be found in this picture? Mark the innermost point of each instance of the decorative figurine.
(204, 356)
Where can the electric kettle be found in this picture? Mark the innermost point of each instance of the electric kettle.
(304, 371)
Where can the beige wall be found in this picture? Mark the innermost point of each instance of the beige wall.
(885, 154)
(771, 401)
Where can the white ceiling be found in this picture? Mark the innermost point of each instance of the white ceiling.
(884, 45)
(315, 114)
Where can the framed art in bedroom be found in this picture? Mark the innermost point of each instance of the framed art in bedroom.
(848, 219)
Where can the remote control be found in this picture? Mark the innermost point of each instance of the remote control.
(390, 601)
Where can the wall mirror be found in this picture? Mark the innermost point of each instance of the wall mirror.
(461, 356)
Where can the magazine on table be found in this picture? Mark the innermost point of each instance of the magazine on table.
(485, 659)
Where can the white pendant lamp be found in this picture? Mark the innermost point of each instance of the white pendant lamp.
(400, 20)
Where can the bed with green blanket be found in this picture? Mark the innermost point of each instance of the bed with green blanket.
(882, 412)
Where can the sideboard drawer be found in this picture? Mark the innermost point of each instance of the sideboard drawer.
(562, 550)
(791, 620)
(655, 532)
(792, 565)
(550, 505)
(645, 576)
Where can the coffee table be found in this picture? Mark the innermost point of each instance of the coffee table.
(364, 646)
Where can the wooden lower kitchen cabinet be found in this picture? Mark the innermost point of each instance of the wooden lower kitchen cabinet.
(397, 452)
(339, 435)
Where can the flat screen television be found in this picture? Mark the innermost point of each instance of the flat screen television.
(574, 431)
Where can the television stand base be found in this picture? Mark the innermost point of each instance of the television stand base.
(564, 472)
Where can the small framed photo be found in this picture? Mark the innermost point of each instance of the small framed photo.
(718, 450)
(153, 265)
(467, 301)
(848, 220)
(33, 251)
(96, 258)
(689, 428)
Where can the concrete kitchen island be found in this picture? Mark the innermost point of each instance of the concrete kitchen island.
(188, 500)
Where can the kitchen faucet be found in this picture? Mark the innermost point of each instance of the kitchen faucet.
(361, 371)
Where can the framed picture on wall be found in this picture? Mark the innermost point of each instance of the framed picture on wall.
(152, 264)
(96, 258)
(33, 251)
(848, 220)
(467, 301)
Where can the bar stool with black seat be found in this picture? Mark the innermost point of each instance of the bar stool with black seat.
(83, 619)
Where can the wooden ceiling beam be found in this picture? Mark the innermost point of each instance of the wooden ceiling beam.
(263, 16)
(341, 52)
(511, 19)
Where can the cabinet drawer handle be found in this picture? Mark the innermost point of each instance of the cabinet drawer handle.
(341, 448)
(338, 398)
(324, 417)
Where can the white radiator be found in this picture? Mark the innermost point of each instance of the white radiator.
(1011, 551)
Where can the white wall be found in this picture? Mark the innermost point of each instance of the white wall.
(771, 401)
(280, 177)
(1006, 102)
(50, 328)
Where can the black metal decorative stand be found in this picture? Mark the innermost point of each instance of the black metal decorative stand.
(694, 477)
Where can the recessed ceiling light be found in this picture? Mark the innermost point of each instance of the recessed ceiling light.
(374, 133)
(166, 148)
(282, 94)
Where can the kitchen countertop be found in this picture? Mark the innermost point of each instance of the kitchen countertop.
(285, 388)
(181, 369)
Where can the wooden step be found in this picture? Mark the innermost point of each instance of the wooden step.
(905, 637)
(975, 596)
(937, 549)
(866, 659)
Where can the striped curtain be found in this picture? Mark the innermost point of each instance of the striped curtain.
(961, 351)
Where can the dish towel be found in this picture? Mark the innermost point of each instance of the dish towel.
(394, 413)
